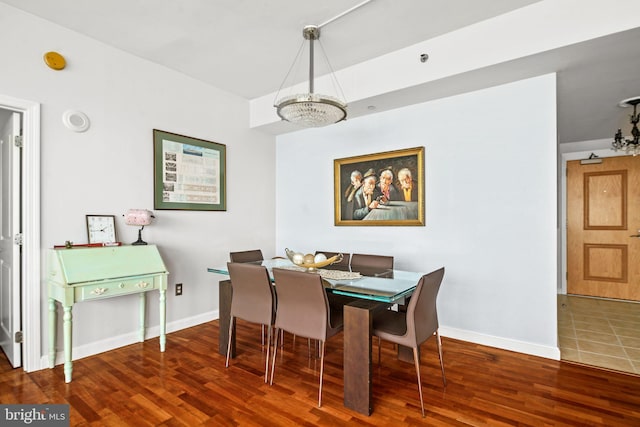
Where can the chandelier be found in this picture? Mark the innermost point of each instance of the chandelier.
(630, 145)
(311, 109)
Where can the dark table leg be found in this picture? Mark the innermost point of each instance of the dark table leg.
(405, 354)
(358, 317)
(224, 299)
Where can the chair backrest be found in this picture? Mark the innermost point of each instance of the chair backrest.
(342, 265)
(253, 296)
(422, 314)
(371, 265)
(303, 308)
(246, 256)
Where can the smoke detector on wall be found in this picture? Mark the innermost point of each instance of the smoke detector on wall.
(76, 121)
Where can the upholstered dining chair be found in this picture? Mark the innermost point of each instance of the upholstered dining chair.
(246, 256)
(416, 325)
(303, 310)
(253, 300)
(342, 265)
(372, 265)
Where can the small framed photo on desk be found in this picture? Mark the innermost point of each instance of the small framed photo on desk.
(101, 228)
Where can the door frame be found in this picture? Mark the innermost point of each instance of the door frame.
(577, 155)
(31, 285)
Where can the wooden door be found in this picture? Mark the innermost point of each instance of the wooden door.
(603, 228)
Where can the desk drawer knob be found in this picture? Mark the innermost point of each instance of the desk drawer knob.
(98, 291)
(121, 285)
(142, 285)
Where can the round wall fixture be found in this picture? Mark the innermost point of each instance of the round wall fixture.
(75, 120)
(54, 60)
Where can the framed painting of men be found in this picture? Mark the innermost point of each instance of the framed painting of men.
(380, 189)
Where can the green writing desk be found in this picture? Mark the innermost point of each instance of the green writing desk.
(86, 274)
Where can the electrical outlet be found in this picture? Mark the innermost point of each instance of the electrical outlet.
(178, 288)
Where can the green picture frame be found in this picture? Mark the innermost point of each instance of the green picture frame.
(189, 173)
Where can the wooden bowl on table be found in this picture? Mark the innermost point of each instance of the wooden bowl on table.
(309, 261)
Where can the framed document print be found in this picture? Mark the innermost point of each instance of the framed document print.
(380, 189)
(189, 173)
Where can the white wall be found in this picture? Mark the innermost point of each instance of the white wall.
(109, 169)
(490, 187)
(491, 207)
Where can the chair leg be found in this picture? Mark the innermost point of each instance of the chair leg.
(379, 345)
(321, 373)
(266, 363)
(439, 342)
(233, 319)
(262, 333)
(416, 360)
(275, 352)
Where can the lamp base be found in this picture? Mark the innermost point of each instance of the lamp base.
(140, 241)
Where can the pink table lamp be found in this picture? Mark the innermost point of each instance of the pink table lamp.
(138, 217)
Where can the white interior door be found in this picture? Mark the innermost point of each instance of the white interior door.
(9, 227)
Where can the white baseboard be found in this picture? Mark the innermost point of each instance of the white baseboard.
(548, 352)
(152, 332)
(129, 338)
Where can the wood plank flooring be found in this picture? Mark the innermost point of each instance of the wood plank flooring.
(188, 385)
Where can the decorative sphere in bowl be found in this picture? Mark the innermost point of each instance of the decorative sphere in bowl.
(308, 259)
(319, 258)
(297, 258)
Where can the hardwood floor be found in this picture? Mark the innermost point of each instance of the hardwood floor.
(188, 385)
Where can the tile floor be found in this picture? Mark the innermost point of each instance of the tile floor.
(599, 332)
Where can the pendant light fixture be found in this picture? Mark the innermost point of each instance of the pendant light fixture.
(631, 144)
(311, 109)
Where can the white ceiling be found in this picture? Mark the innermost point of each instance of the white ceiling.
(247, 46)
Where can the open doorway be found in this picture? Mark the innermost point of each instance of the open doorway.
(28, 265)
(598, 317)
(10, 236)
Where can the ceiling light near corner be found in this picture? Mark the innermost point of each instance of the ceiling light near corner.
(630, 145)
(311, 109)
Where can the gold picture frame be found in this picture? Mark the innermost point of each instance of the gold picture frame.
(390, 202)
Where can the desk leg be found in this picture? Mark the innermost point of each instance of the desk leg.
(358, 319)
(143, 309)
(163, 319)
(52, 332)
(224, 300)
(67, 326)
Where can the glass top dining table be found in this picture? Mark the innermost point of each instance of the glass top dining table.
(388, 286)
(369, 294)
